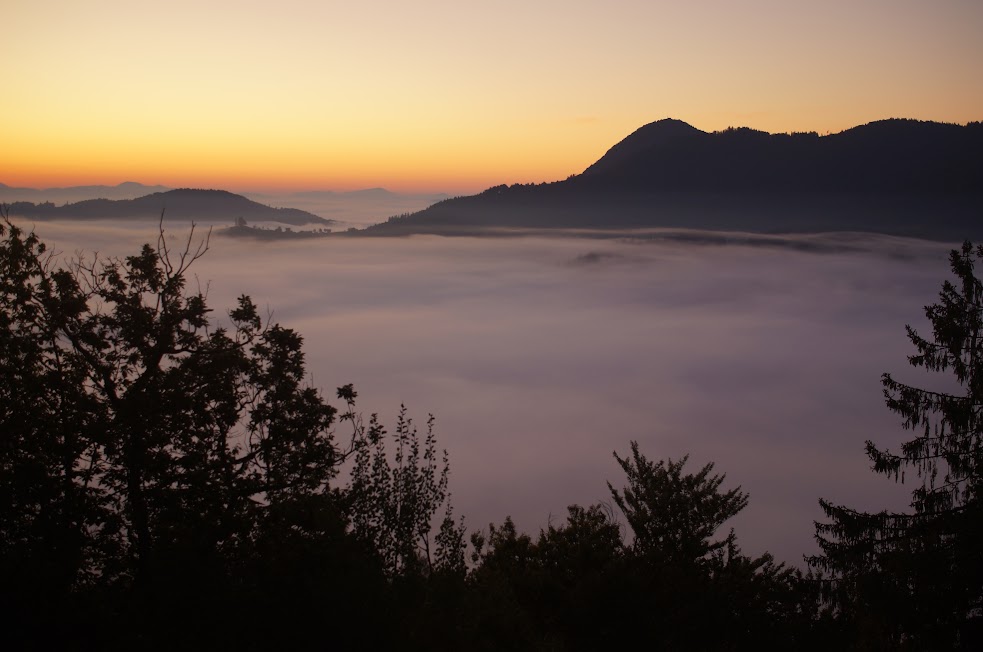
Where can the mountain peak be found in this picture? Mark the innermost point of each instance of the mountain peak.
(903, 177)
(668, 123)
(658, 133)
(661, 133)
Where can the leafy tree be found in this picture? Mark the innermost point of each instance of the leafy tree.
(157, 467)
(48, 500)
(706, 592)
(674, 515)
(160, 473)
(914, 580)
(398, 483)
(559, 591)
(675, 585)
(144, 450)
(393, 498)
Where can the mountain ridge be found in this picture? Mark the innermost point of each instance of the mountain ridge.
(124, 190)
(203, 205)
(898, 176)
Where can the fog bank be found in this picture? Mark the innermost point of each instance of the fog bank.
(539, 357)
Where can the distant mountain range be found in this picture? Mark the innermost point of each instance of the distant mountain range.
(905, 177)
(182, 204)
(353, 207)
(125, 190)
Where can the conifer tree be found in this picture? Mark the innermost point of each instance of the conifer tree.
(914, 580)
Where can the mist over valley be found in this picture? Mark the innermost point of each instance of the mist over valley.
(733, 296)
(539, 356)
(421, 326)
(130, 200)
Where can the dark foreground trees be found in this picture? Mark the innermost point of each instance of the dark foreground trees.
(144, 449)
(673, 582)
(170, 480)
(713, 596)
(157, 467)
(914, 580)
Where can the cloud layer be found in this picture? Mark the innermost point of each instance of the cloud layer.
(541, 356)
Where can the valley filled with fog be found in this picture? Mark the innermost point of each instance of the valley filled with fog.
(540, 356)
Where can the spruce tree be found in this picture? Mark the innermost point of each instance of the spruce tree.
(914, 580)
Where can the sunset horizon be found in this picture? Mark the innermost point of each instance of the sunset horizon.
(567, 325)
(430, 99)
(298, 183)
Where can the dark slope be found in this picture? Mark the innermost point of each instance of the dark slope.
(888, 156)
(182, 204)
(666, 135)
(904, 177)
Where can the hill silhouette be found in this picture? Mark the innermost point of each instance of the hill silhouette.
(181, 204)
(903, 177)
(125, 190)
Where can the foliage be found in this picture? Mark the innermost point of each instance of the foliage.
(555, 592)
(151, 460)
(393, 503)
(675, 515)
(164, 476)
(188, 431)
(915, 580)
(708, 593)
(582, 586)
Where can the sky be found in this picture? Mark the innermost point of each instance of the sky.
(541, 357)
(441, 96)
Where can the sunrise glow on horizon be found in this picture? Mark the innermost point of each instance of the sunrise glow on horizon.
(440, 96)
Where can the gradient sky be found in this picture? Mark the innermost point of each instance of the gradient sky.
(437, 95)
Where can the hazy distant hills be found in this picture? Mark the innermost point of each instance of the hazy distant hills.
(904, 177)
(182, 204)
(347, 208)
(357, 208)
(125, 190)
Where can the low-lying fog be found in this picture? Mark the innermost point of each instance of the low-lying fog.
(357, 208)
(539, 357)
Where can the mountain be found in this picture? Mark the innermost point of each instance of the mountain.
(888, 156)
(182, 204)
(125, 190)
(905, 177)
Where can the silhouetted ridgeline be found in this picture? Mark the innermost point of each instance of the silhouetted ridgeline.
(903, 177)
(125, 190)
(182, 204)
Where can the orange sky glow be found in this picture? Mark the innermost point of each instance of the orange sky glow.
(447, 96)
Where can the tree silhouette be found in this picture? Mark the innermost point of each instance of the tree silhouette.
(675, 515)
(561, 590)
(682, 569)
(168, 476)
(147, 452)
(915, 580)
(392, 499)
(676, 584)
